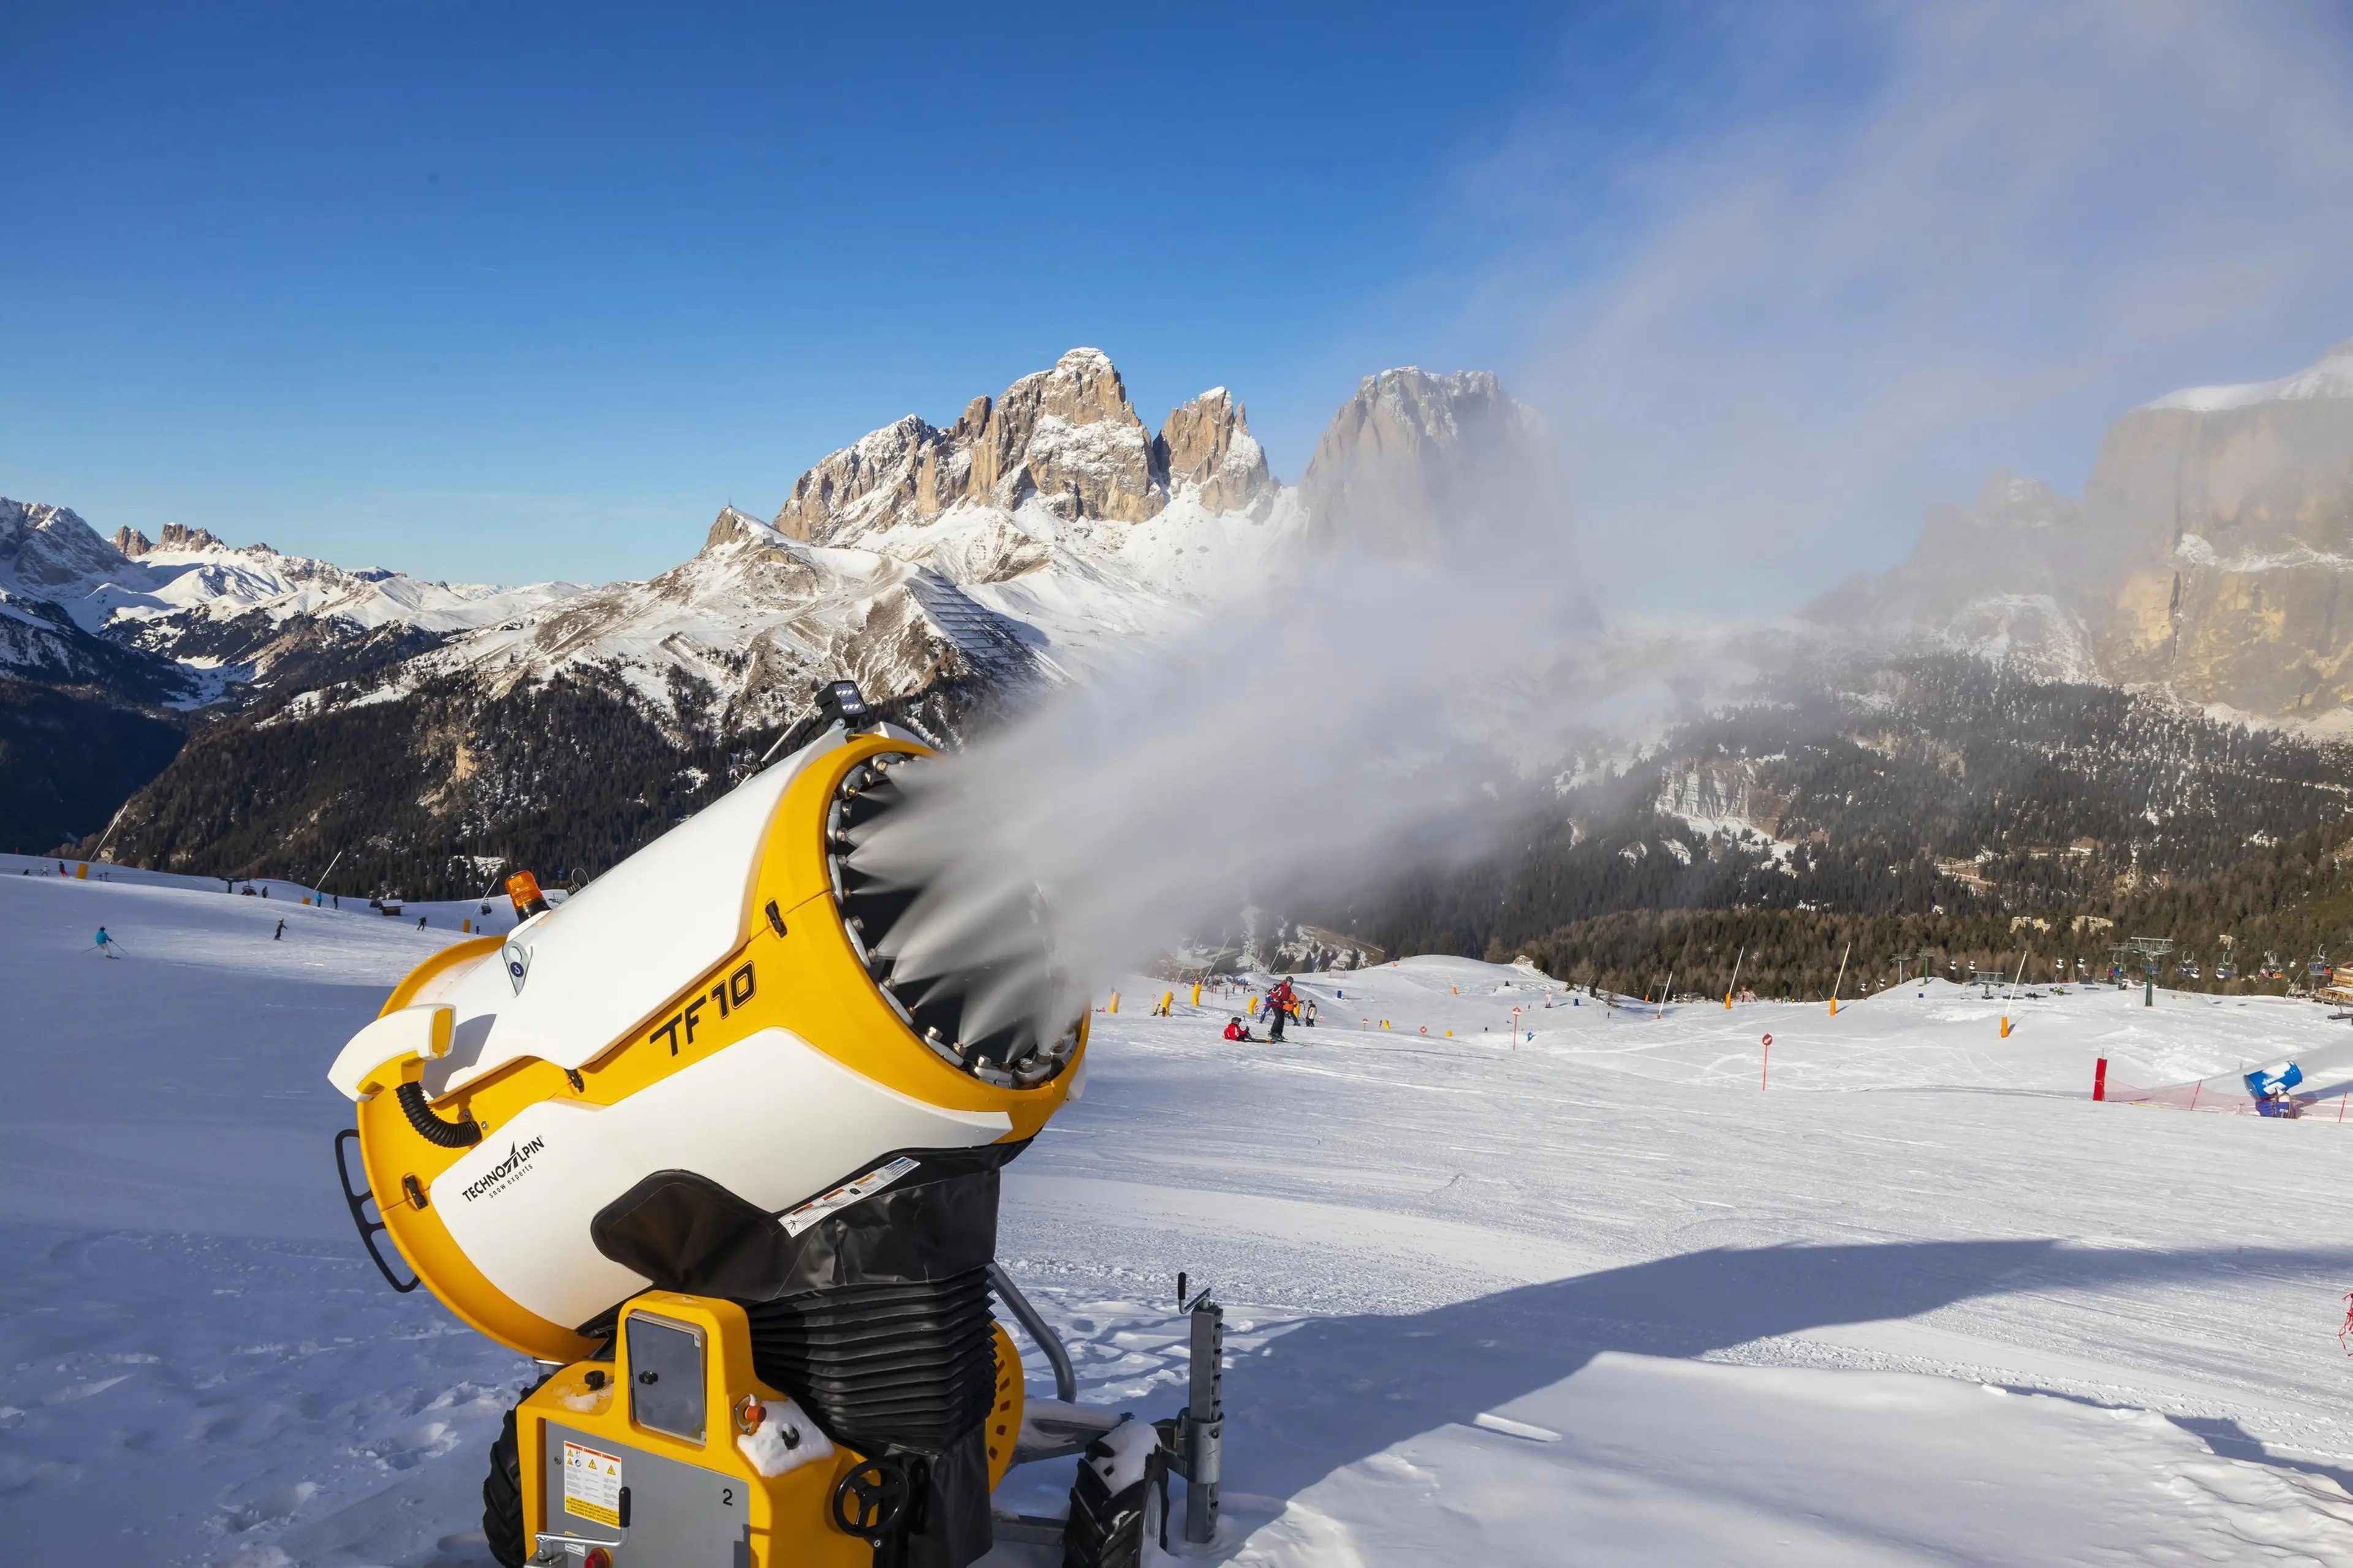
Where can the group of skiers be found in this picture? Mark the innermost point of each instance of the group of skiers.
(1283, 1006)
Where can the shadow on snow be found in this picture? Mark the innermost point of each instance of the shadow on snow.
(1342, 1389)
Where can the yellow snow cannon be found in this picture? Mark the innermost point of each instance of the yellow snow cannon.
(688, 1139)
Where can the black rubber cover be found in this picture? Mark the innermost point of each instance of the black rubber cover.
(686, 1232)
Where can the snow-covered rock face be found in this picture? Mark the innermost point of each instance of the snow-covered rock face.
(738, 635)
(2229, 513)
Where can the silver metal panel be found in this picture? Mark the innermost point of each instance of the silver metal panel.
(680, 1515)
(665, 1392)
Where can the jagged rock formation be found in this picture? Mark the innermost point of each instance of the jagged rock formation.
(1414, 459)
(177, 537)
(1206, 444)
(1040, 530)
(1066, 439)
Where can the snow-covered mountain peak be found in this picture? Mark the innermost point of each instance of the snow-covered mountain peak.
(2331, 376)
(738, 528)
(49, 553)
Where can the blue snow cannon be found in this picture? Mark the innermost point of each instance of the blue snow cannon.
(2271, 1090)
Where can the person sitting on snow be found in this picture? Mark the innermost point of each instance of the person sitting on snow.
(1234, 1030)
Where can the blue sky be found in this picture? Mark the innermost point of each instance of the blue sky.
(513, 292)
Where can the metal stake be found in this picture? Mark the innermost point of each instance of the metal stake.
(1205, 1422)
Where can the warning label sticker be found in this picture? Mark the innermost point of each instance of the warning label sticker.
(592, 1484)
(798, 1220)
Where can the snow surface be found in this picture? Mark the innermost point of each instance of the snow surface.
(1918, 1299)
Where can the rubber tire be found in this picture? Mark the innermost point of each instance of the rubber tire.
(1105, 1530)
(502, 1498)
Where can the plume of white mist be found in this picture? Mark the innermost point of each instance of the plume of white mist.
(1351, 729)
(1902, 245)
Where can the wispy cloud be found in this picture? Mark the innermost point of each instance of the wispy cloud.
(1902, 244)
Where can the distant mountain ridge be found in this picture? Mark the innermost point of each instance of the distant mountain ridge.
(948, 569)
(424, 731)
(217, 620)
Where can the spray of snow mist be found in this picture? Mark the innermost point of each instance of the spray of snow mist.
(1348, 727)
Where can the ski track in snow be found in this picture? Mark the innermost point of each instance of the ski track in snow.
(1920, 1301)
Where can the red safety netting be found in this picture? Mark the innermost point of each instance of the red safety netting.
(2232, 1101)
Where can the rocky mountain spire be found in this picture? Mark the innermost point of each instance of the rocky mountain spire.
(1069, 435)
(1205, 444)
(1414, 457)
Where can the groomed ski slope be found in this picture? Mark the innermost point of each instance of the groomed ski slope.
(1593, 1295)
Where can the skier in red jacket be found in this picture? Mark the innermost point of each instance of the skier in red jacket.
(1279, 1008)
